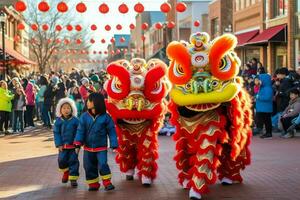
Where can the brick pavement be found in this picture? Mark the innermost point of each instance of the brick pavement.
(28, 170)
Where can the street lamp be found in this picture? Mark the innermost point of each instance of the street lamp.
(2, 21)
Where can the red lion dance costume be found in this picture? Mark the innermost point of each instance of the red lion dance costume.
(136, 101)
(211, 112)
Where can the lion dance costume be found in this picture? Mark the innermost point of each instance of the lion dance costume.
(211, 112)
(136, 101)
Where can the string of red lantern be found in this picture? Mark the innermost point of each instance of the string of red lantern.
(20, 6)
(43, 6)
(21, 26)
(119, 27)
(93, 27)
(139, 8)
(103, 8)
(123, 8)
(107, 28)
(58, 27)
(181, 7)
(78, 28)
(81, 7)
(62, 7)
(165, 7)
(197, 23)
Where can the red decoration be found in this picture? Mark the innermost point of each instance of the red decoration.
(94, 52)
(143, 38)
(45, 27)
(81, 7)
(58, 41)
(181, 7)
(103, 41)
(78, 28)
(107, 28)
(17, 38)
(171, 24)
(122, 40)
(100, 52)
(112, 52)
(94, 27)
(105, 52)
(78, 41)
(66, 41)
(119, 27)
(118, 51)
(145, 26)
(132, 26)
(62, 7)
(34, 27)
(43, 6)
(49, 41)
(69, 27)
(103, 8)
(92, 41)
(123, 8)
(112, 40)
(20, 6)
(196, 23)
(58, 28)
(139, 8)
(165, 7)
(21, 26)
(158, 25)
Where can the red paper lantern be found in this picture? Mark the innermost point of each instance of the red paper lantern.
(81, 7)
(100, 52)
(107, 28)
(69, 27)
(139, 8)
(112, 52)
(123, 8)
(92, 41)
(49, 41)
(181, 7)
(122, 40)
(158, 25)
(17, 38)
(94, 52)
(21, 26)
(62, 7)
(45, 27)
(78, 41)
(103, 8)
(119, 27)
(20, 6)
(103, 41)
(143, 38)
(165, 7)
(118, 51)
(132, 26)
(78, 28)
(94, 27)
(43, 6)
(145, 26)
(196, 23)
(66, 41)
(58, 28)
(58, 41)
(171, 24)
(34, 27)
(112, 40)
(105, 52)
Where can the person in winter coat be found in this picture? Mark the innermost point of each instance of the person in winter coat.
(290, 113)
(5, 106)
(75, 95)
(30, 96)
(264, 105)
(65, 128)
(40, 95)
(95, 127)
(86, 89)
(49, 95)
(19, 106)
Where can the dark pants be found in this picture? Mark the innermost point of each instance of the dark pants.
(46, 114)
(286, 122)
(18, 120)
(4, 119)
(68, 161)
(29, 116)
(95, 163)
(264, 119)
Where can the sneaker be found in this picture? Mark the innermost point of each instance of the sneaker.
(194, 195)
(146, 181)
(266, 136)
(226, 181)
(74, 183)
(65, 177)
(288, 135)
(108, 185)
(129, 178)
(256, 131)
(94, 186)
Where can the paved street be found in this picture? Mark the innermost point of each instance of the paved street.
(28, 170)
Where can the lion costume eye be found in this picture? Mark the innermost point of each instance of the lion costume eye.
(116, 86)
(178, 70)
(225, 64)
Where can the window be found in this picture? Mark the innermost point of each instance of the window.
(281, 56)
(266, 4)
(237, 5)
(215, 27)
(280, 7)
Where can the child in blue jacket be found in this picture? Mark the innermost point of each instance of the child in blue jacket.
(95, 127)
(65, 128)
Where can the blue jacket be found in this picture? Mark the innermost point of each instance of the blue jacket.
(94, 132)
(65, 131)
(264, 98)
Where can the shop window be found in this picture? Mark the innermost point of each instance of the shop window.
(281, 56)
(280, 7)
(252, 53)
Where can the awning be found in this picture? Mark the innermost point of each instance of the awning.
(243, 38)
(15, 57)
(273, 34)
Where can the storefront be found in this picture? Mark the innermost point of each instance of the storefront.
(281, 59)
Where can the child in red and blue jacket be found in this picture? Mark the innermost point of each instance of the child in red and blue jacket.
(65, 128)
(95, 127)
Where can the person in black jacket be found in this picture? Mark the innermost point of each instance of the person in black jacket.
(49, 95)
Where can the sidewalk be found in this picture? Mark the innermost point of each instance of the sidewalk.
(28, 170)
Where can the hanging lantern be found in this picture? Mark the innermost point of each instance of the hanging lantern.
(122, 40)
(34, 27)
(57, 41)
(144, 26)
(66, 41)
(17, 38)
(62, 7)
(132, 26)
(58, 27)
(100, 52)
(112, 40)
(196, 23)
(103, 8)
(103, 41)
(78, 28)
(139, 8)
(123, 8)
(69, 27)
(105, 52)
(107, 28)
(94, 27)
(143, 38)
(43, 6)
(171, 24)
(94, 52)
(81, 7)
(118, 51)
(181, 7)
(21, 26)
(165, 7)
(158, 25)
(49, 41)
(125, 51)
(74, 51)
(45, 27)
(119, 27)
(20, 6)
(112, 52)
(92, 41)
(78, 41)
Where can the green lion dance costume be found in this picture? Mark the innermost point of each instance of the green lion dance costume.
(211, 112)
